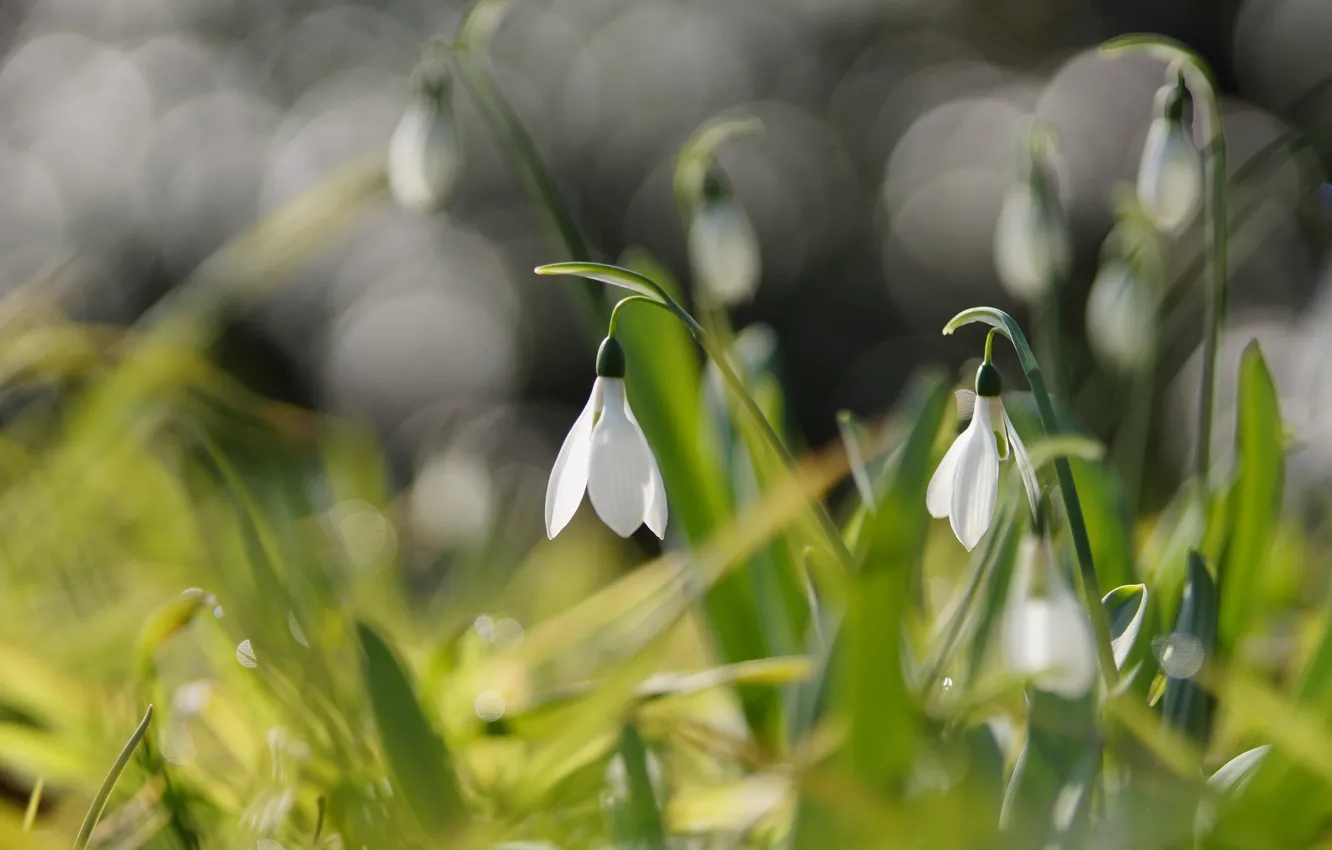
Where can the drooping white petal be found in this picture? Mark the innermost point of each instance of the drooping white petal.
(1023, 461)
(1170, 175)
(724, 252)
(568, 478)
(425, 158)
(655, 518)
(975, 480)
(621, 468)
(939, 495)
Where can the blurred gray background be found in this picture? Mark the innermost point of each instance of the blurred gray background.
(137, 136)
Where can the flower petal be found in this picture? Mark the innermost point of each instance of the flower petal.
(621, 468)
(1030, 482)
(655, 518)
(975, 480)
(939, 495)
(568, 478)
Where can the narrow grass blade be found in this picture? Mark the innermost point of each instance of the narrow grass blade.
(1187, 707)
(414, 751)
(635, 819)
(34, 803)
(104, 793)
(881, 714)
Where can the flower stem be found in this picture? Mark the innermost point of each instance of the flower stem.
(1215, 311)
(1077, 525)
(104, 792)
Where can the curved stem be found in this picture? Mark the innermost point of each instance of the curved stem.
(1077, 525)
(104, 792)
(1218, 249)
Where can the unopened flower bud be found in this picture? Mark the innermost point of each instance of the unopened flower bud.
(1121, 317)
(1032, 247)
(1170, 176)
(723, 247)
(425, 153)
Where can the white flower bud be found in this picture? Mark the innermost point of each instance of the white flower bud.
(1170, 176)
(1047, 635)
(425, 153)
(1121, 318)
(723, 247)
(1032, 247)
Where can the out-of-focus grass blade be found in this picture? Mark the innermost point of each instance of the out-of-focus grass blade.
(665, 392)
(108, 784)
(1255, 500)
(880, 712)
(1234, 775)
(1186, 706)
(1053, 781)
(413, 749)
(636, 822)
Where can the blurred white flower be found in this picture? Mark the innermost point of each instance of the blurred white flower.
(1121, 317)
(966, 484)
(723, 247)
(607, 455)
(1047, 636)
(1170, 176)
(1032, 247)
(425, 153)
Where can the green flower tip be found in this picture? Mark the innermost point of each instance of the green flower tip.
(610, 359)
(988, 382)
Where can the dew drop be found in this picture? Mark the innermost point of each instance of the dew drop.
(485, 628)
(508, 633)
(947, 682)
(1181, 655)
(489, 706)
(245, 654)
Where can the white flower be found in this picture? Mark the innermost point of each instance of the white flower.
(1170, 175)
(1121, 317)
(425, 153)
(607, 455)
(1047, 636)
(724, 252)
(966, 484)
(1032, 247)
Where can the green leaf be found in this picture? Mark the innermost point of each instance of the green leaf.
(881, 713)
(1126, 609)
(635, 820)
(416, 756)
(664, 385)
(1234, 775)
(166, 621)
(1109, 528)
(615, 276)
(1186, 706)
(113, 775)
(1255, 499)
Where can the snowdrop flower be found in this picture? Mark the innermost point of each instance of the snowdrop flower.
(1121, 317)
(1170, 176)
(1047, 636)
(966, 484)
(1032, 247)
(425, 153)
(723, 247)
(607, 455)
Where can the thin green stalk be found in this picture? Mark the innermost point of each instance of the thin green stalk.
(1077, 525)
(470, 60)
(34, 803)
(104, 793)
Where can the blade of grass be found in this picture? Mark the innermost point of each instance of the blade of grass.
(113, 775)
